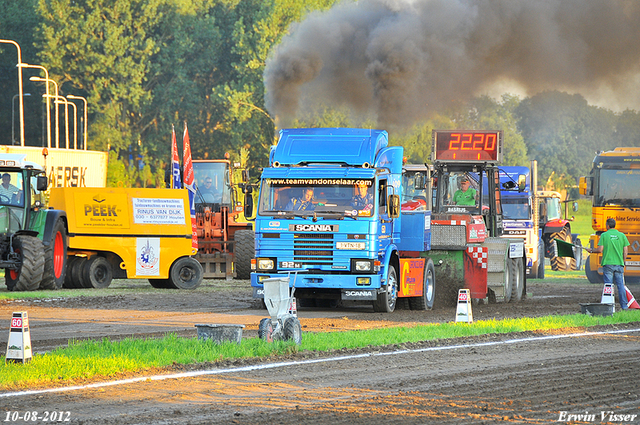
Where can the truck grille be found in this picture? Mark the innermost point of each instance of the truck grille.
(448, 237)
(313, 248)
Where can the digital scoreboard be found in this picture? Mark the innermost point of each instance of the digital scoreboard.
(467, 146)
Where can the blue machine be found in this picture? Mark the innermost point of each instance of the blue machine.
(329, 208)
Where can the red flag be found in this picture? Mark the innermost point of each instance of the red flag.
(189, 183)
(176, 181)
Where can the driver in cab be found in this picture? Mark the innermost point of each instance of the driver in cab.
(303, 203)
(466, 195)
(8, 192)
(363, 200)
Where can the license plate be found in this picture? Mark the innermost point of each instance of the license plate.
(350, 245)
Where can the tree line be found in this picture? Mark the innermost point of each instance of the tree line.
(145, 65)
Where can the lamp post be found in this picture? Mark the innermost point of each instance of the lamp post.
(75, 123)
(19, 89)
(46, 77)
(47, 95)
(62, 100)
(84, 133)
(13, 116)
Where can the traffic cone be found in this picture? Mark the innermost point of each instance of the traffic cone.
(608, 294)
(631, 302)
(19, 343)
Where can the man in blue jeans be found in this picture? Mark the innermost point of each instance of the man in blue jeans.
(613, 245)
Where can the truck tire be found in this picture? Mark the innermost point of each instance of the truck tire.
(562, 264)
(592, 275)
(386, 302)
(244, 252)
(265, 330)
(517, 275)
(537, 268)
(77, 272)
(97, 273)
(68, 277)
(55, 258)
(508, 280)
(186, 273)
(160, 283)
(28, 276)
(425, 301)
(292, 330)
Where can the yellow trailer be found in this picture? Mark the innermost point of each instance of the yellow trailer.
(128, 233)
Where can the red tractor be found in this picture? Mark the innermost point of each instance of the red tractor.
(225, 241)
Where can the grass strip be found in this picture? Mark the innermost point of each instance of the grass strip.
(89, 359)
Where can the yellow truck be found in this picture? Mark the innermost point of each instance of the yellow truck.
(613, 185)
(128, 233)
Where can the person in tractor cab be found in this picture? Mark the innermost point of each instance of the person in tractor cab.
(8, 192)
(466, 195)
(363, 200)
(304, 203)
(210, 193)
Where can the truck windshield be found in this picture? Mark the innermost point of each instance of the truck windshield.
(351, 197)
(211, 182)
(618, 187)
(516, 209)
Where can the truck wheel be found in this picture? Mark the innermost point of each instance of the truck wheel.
(29, 274)
(386, 301)
(265, 330)
(425, 301)
(293, 330)
(77, 273)
(243, 253)
(592, 275)
(97, 273)
(517, 275)
(68, 277)
(508, 280)
(562, 264)
(186, 273)
(55, 258)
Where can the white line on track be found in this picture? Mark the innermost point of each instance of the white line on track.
(305, 362)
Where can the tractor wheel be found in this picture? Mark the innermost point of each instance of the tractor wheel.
(265, 330)
(562, 264)
(517, 275)
(243, 253)
(386, 301)
(29, 273)
(592, 275)
(55, 258)
(292, 330)
(186, 273)
(425, 301)
(97, 273)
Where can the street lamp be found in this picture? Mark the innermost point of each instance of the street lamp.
(13, 116)
(46, 76)
(84, 100)
(47, 95)
(75, 123)
(62, 100)
(19, 89)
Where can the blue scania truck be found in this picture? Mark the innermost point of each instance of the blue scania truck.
(329, 207)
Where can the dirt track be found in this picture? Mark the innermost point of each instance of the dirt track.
(521, 382)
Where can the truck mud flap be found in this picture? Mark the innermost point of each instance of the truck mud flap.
(359, 295)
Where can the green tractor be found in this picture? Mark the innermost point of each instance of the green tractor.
(33, 239)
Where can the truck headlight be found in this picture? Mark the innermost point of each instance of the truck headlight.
(361, 265)
(265, 264)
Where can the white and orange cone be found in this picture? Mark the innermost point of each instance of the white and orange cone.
(631, 302)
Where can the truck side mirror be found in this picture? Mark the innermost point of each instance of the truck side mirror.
(393, 202)
(248, 204)
(585, 186)
(522, 182)
(42, 183)
(574, 206)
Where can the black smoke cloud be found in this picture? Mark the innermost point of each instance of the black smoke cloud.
(400, 60)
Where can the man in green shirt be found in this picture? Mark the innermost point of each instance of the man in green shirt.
(613, 245)
(466, 195)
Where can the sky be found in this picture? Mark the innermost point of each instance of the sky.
(400, 60)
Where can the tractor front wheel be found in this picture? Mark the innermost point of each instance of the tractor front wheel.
(28, 276)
